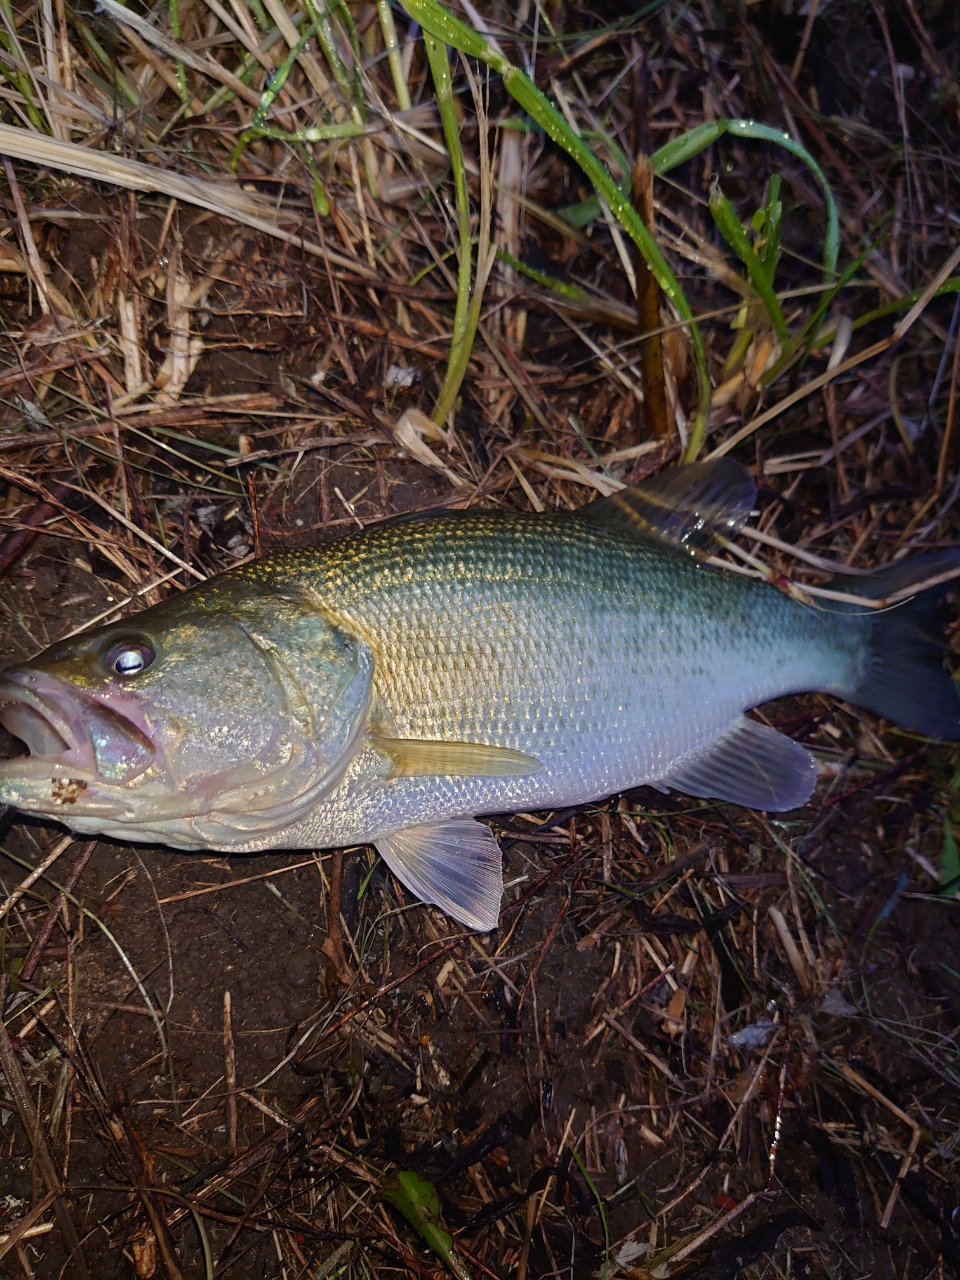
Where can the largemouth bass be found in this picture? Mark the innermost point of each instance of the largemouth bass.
(389, 688)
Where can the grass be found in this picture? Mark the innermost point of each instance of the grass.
(272, 271)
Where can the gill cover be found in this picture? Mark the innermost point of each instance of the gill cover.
(322, 685)
(214, 716)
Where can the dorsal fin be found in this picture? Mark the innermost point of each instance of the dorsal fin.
(682, 508)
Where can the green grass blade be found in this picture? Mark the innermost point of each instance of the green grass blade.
(571, 291)
(808, 334)
(346, 18)
(443, 85)
(174, 7)
(419, 1203)
(600, 1210)
(352, 93)
(770, 217)
(109, 64)
(325, 38)
(545, 114)
(394, 58)
(259, 14)
(679, 150)
(765, 133)
(22, 84)
(433, 18)
(731, 228)
(690, 144)
(19, 75)
(901, 304)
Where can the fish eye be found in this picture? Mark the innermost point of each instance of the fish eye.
(129, 657)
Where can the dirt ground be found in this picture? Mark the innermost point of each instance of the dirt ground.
(703, 1042)
(472, 1060)
(490, 1060)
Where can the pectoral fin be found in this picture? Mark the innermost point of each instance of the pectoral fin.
(455, 865)
(414, 758)
(752, 765)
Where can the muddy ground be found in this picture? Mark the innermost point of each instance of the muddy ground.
(478, 1066)
(702, 1042)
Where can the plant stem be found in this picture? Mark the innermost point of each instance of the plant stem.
(392, 46)
(440, 69)
(433, 18)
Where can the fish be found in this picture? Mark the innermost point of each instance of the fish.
(393, 687)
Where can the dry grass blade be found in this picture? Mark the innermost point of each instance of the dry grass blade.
(225, 201)
(44, 866)
(29, 1225)
(17, 1086)
(245, 248)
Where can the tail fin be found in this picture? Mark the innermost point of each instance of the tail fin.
(903, 677)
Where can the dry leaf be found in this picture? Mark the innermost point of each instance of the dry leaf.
(409, 432)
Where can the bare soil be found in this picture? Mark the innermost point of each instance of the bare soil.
(697, 1028)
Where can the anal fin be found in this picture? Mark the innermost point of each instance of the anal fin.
(455, 865)
(752, 765)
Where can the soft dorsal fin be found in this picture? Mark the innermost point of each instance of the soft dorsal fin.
(683, 507)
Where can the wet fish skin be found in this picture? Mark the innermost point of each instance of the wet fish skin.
(309, 698)
(607, 659)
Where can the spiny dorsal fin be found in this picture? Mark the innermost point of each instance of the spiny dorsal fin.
(416, 758)
(683, 507)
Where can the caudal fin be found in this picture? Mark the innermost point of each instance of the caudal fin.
(903, 676)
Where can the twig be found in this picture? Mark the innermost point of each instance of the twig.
(333, 944)
(37, 947)
(37, 271)
(804, 40)
(642, 1049)
(142, 533)
(41, 1152)
(790, 947)
(855, 1078)
(230, 1074)
(232, 884)
(648, 312)
(139, 1162)
(719, 1225)
(905, 1164)
(272, 1114)
(529, 1221)
(120, 605)
(946, 444)
(29, 1226)
(34, 876)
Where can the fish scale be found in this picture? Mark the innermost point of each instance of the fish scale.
(608, 659)
(391, 687)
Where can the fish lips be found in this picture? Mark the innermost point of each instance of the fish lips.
(58, 731)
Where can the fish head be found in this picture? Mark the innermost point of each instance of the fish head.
(208, 721)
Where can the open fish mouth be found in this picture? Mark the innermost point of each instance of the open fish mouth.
(52, 729)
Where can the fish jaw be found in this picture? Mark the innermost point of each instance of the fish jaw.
(82, 746)
(103, 759)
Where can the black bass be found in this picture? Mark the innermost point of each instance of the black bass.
(388, 688)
